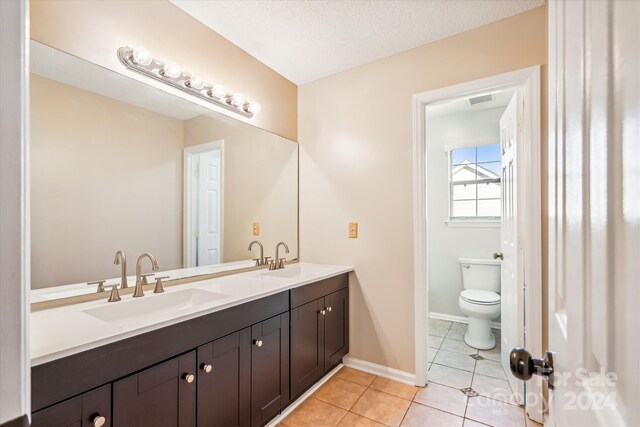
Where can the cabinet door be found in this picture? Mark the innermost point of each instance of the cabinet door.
(161, 396)
(336, 328)
(307, 346)
(224, 381)
(88, 410)
(269, 368)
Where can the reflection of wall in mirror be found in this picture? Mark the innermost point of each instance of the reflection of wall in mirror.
(106, 175)
(260, 184)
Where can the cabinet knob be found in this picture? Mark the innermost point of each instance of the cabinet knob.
(323, 312)
(329, 308)
(258, 343)
(98, 420)
(188, 378)
(206, 367)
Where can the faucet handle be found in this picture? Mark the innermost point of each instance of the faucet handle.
(144, 278)
(257, 260)
(100, 284)
(281, 263)
(114, 296)
(272, 265)
(266, 260)
(159, 288)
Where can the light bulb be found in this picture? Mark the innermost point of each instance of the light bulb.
(254, 107)
(171, 70)
(142, 56)
(237, 100)
(218, 91)
(195, 83)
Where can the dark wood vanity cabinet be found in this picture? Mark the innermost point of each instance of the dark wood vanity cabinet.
(269, 368)
(86, 410)
(238, 367)
(319, 333)
(161, 396)
(224, 381)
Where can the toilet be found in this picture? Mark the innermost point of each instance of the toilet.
(480, 300)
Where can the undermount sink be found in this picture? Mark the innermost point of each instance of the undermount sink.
(153, 305)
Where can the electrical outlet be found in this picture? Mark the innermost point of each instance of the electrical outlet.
(256, 228)
(353, 230)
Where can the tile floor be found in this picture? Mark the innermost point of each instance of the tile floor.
(462, 391)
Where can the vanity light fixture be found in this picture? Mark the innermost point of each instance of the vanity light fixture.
(141, 61)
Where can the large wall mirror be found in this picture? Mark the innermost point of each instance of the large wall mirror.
(116, 164)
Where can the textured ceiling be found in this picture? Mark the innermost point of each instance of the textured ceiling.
(305, 40)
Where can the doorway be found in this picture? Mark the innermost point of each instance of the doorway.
(203, 181)
(489, 181)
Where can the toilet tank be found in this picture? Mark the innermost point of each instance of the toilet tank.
(481, 274)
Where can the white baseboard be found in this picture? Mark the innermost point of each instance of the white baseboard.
(459, 319)
(379, 370)
(274, 422)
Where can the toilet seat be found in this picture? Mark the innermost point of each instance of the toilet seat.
(475, 296)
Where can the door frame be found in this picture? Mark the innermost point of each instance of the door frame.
(188, 254)
(531, 172)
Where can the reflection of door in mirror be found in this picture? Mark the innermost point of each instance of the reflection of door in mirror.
(203, 184)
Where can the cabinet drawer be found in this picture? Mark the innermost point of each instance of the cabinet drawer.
(313, 291)
(81, 411)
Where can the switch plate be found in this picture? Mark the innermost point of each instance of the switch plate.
(256, 228)
(353, 230)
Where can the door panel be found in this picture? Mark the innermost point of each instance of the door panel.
(209, 209)
(307, 346)
(80, 411)
(158, 396)
(224, 393)
(511, 224)
(594, 211)
(269, 368)
(336, 327)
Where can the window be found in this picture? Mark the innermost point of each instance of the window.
(475, 188)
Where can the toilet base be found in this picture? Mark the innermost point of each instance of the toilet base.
(479, 334)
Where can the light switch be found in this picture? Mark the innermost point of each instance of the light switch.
(353, 230)
(256, 228)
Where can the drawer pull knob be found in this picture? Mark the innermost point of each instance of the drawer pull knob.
(188, 378)
(323, 312)
(329, 308)
(98, 420)
(206, 367)
(258, 343)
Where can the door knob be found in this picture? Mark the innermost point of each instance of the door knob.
(498, 255)
(258, 343)
(98, 420)
(323, 312)
(188, 378)
(523, 366)
(329, 308)
(206, 367)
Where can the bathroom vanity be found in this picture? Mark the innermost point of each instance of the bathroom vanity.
(229, 351)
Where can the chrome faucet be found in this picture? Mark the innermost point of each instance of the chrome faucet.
(139, 292)
(121, 259)
(278, 263)
(262, 260)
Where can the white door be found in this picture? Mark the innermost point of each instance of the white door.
(594, 212)
(512, 277)
(209, 200)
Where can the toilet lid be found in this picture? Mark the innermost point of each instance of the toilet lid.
(480, 297)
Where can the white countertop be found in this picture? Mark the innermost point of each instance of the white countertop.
(63, 331)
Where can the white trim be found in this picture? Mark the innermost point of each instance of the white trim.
(188, 214)
(457, 319)
(300, 400)
(533, 261)
(379, 370)
(480, 142)
(472, 223)
(15, 389)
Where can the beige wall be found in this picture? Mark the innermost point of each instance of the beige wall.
(356, 165)
(260, 185)
(95, 29)
(78, 225)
